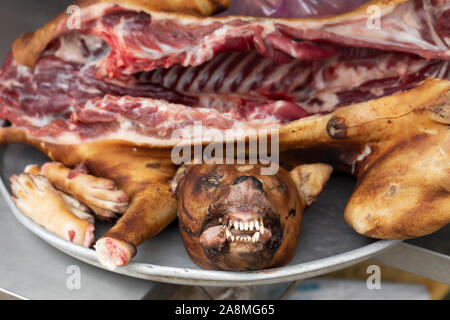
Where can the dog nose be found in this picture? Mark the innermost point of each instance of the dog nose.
(256, 182)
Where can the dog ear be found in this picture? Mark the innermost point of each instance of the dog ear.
(310, 179)
(178, 179)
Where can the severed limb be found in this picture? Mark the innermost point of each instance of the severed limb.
(398, 147)
(148, 214)
(38, 200)
(143, 174)
(79, 209)
(99, 194)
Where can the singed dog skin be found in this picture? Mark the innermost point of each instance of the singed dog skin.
(214, 199)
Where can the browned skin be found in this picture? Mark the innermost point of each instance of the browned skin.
(38, 200)
(99, 194)
(79, 209)
(403, 185)
(209, 192)
(143, 174)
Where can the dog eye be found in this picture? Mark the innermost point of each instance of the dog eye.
(282, 187)
(278, 185)
(211, 180)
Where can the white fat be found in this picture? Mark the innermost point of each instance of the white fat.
(22, 72)
(400, 16)
(367, 151)
(127, 126)
(330, 101)
(70, 49)
(201, 52)
(362, 156)
(39, 121)
(405, 33)
(428, 12)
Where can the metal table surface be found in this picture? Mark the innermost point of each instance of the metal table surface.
(427, 256)
(30, 268)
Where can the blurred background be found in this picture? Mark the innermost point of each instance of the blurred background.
(21, 16)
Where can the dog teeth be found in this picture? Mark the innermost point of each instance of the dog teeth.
(257, 225)
(254, 238)
(261, 228)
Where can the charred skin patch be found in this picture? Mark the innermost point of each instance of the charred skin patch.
(337, 128)
(292, 212)
(153, 165)
(235, 219)
(440, 111)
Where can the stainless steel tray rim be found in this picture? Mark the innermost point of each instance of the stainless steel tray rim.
(193, 276)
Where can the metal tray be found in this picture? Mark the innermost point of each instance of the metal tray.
(326, 242)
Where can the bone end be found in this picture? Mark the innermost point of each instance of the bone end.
(113, 253)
